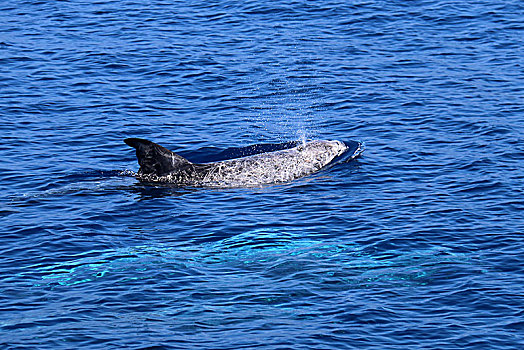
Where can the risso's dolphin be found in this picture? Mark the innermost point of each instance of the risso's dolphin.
(158, 164)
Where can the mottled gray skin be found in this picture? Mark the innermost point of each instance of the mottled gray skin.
(158, 164)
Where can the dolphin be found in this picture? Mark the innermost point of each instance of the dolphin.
(158, 164)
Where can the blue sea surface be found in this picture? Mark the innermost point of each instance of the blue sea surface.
(418, 244)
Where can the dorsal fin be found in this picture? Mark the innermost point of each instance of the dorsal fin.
(155, 159)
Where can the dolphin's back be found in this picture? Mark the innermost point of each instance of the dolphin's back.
(272, 167)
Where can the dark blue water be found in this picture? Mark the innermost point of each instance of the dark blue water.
(418, 244)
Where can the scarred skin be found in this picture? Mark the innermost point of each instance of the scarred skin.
(157, 164)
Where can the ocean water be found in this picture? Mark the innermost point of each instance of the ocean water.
(417, 244)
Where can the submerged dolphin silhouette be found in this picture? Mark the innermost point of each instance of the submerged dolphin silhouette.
(158, 164)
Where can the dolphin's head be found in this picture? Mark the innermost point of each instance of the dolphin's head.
(332, 149)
